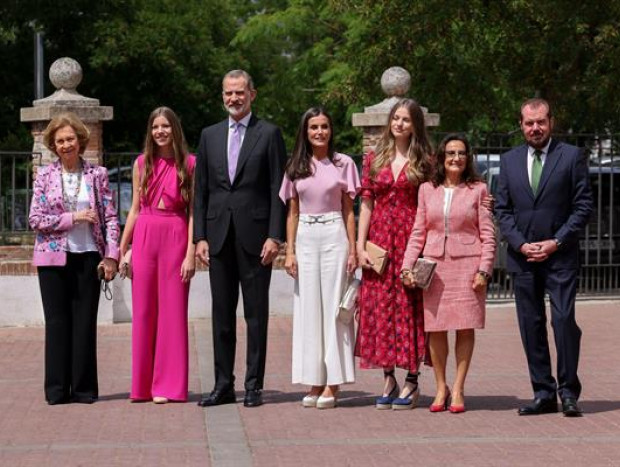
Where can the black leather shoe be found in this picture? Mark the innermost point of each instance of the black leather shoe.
(218, 397)
(253, 398)
(64, 400)
(539, 406)
(83, 399)
(570, 407)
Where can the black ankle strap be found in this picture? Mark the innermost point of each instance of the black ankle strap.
(412, 377)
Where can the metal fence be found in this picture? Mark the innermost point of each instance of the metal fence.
(600, 273)
(15, 189)
(600, 242)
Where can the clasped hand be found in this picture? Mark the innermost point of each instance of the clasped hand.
(85, 215)
(538, 251)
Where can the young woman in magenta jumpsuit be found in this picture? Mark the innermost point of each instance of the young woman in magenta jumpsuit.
(159, 226)
(391, 327)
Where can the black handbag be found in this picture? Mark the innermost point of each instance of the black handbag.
(105, 287)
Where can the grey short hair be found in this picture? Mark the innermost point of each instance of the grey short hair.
(240, 74)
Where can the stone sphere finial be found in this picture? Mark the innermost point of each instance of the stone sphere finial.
(395, 81)
(66, 73)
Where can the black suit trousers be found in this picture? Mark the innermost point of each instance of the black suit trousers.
(70, 296)
(561, 286)
(232, 266)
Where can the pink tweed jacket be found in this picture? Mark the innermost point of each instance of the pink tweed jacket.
(52, 223)
(471, 229)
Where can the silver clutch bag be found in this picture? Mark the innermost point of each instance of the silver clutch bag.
(423, 272)
(348, 303)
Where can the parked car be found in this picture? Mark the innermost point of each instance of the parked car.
(484, 162)
(121, 186)
(601, 237)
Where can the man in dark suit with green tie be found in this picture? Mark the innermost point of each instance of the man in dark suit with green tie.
(543, 202)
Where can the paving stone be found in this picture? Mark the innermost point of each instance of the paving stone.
(114, 432)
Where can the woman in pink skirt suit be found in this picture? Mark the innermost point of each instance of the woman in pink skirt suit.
(159, 226)
(453, 228)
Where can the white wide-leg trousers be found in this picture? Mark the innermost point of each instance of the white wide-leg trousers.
(322, 345)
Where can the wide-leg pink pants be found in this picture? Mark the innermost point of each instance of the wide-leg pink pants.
(159, 298)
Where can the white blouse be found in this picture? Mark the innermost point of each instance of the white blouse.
(447, 201)
(80, 238)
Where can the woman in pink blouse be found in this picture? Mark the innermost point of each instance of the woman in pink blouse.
(159, 226)
(320, 186)
(454, 228)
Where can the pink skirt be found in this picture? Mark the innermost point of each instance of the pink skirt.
(450, 303)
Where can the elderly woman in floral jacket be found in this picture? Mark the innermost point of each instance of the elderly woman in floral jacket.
(77, 229)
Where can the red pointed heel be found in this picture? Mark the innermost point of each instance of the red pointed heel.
(441, 407)
(457, 408)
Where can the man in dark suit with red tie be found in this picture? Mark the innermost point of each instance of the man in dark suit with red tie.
(238, 225)
(543, 202)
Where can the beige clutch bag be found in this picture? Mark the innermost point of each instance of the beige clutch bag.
(378, 256)
(423, 272)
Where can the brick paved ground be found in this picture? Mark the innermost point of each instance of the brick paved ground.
(114, 432)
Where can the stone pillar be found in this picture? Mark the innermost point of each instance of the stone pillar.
(395, 83)
(66, 74)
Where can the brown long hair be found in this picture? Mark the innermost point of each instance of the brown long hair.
(179, 147)
(469, 175)
(299, 166)
(420, 149)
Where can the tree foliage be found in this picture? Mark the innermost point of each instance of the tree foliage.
(473, 62)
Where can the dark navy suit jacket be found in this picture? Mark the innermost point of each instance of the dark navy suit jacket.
(560, 209)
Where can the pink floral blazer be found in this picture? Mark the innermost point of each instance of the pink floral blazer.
(51, 222)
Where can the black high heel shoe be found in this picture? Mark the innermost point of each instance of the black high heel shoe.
(385, 402)
(410, 400)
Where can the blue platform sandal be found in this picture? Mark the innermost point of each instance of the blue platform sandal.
(385, 402)
(410, 400)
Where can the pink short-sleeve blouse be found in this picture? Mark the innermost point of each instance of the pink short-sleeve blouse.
(322, 191)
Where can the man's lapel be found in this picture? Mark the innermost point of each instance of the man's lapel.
(522, 174)
(221, 154)
(252, 135)
(553, 157)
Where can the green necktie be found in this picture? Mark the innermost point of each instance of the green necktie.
(536, 170)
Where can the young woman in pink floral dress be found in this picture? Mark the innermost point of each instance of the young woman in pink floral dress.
(391, 326)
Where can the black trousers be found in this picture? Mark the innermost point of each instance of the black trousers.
(70, 296)
(229, 268)
(561, 286)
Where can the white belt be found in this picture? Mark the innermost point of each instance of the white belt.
(320, 218)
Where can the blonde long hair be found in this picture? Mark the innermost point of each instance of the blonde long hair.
(420, 149)
(179, 147)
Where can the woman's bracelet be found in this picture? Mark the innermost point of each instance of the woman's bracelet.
(485, 274)
(404, 272)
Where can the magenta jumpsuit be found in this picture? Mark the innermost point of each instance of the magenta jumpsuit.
(159, 297)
